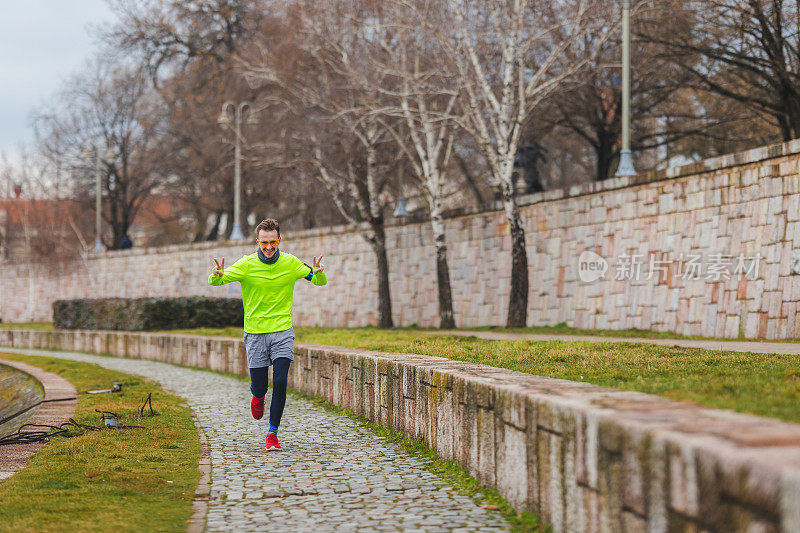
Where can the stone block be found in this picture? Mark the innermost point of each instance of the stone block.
(572, 489)
(586, 450)
(611, 484)
(740, 481)
(409, 412)
(587, 518)
(790, 496)
(483, 450)
(656, 481)
(408, 381)
(732, 327)
(442, 431)
(463, 423)
(369, 406)
(551, 482)
(683, 481)
(422, 414)
(356, 381)
(384, 397)
(610, 436)
(510, 406)
(635, 467)
(511, 464)
(532, 453)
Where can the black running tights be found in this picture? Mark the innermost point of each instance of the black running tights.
(259, 383)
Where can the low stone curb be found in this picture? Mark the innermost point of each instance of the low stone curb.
(14, 457)
(197, 522)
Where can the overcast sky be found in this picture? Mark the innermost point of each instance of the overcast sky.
(41, 43)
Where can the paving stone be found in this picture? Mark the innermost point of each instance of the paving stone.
(332, 474)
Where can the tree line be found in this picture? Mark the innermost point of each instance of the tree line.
(355, 103)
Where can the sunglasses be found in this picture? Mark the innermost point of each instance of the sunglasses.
(268, 243)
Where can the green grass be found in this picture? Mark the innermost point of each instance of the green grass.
(761, 384)
(26, 325)
(123, 480)
(558, 329)
(564, 329)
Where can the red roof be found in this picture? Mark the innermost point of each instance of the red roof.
(154, 211)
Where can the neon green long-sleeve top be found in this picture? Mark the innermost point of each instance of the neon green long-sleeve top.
(267, 290)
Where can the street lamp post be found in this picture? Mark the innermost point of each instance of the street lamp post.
(625, 160)
(229, 109)
(98, 203)
(98, 192)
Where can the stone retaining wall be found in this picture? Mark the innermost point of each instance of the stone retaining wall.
(585, 458)
(666, 235)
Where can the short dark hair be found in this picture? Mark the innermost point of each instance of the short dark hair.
(268, 225)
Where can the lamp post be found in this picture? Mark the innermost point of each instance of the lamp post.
(98, 200)
(230, 109)
(625, 160)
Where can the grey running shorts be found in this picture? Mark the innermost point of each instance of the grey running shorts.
(263, 348)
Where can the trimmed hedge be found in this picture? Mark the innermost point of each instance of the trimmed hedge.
(147, 314)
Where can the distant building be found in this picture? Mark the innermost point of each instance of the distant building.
(39, 230)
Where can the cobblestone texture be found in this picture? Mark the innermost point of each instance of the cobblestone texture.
(332, 474)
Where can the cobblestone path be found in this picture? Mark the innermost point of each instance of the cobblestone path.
(332, 475)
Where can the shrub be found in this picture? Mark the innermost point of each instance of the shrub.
(147, 314)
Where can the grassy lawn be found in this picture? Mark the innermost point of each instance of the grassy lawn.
(564, 329)
(26, 325)
(558, 329)
(761, 384)
(124, 480)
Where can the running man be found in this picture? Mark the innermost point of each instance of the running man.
(267, 278)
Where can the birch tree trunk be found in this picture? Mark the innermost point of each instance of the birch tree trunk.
(510, 56)
(378, 244)
(446, 320)
(363, 187)
(518, 297)
(423, 101)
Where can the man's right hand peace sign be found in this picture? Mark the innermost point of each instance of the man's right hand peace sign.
(220, 266)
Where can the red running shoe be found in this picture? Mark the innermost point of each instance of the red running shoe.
(257, 407)
(272, 443)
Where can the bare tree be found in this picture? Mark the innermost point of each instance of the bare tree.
(510, 56)
(748, 50)
(166, 33)
(190, 47)
(418, 109)
(662, 108)
(356, 184)
(111, 108)
(344, 144)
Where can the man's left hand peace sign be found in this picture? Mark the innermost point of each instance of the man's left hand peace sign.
(318, 266)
